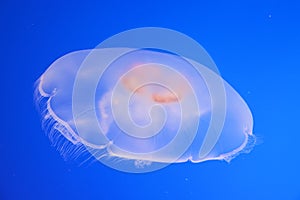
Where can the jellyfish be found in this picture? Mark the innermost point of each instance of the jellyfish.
(142, 107)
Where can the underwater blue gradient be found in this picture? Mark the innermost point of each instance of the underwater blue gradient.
(256, 46)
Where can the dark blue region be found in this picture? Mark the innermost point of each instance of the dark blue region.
(160, 51)
(255, 44)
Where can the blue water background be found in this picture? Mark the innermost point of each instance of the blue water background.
(255, 44)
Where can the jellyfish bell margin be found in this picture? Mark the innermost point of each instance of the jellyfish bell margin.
(138, 109)
(131, 151)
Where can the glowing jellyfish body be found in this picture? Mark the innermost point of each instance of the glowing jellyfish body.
(137, 110)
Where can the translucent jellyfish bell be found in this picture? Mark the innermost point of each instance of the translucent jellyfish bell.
(140, 108)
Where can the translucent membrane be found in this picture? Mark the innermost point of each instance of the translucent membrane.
(138, 110)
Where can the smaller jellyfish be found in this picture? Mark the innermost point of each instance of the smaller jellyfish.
(141, 109)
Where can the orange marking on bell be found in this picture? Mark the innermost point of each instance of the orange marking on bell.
(134, 81)
(165, 98)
